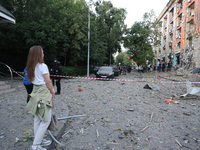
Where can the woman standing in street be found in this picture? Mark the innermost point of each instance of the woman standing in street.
(40, 103)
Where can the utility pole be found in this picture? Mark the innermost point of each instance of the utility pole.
(88, 61)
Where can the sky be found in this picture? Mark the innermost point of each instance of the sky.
(136, 8)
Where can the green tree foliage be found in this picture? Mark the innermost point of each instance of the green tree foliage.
(141, 37)
(127, 60)
(123, 58)
(47, 23)
(150, 22)
(110, 22)
(120, 58)
(61, 28)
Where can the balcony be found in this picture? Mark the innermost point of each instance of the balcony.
(172, 19)
(190, 19)
(170, 44)
(180, 11)
(190, 2)
(170, 31)
(165, 25)
(164, 47)
(179, 1)
(178, 40)
(164, 36)
(189, 35)
(179, 26)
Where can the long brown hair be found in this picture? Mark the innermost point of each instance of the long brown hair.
(34, 57)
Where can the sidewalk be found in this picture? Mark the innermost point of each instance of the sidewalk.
(16, 124)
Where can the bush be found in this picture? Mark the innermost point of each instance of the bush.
(72, 71)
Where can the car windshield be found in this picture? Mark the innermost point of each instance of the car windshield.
(105, 69)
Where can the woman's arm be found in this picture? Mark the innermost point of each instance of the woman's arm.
(49, 84)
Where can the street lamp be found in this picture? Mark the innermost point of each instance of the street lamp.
(88, 60)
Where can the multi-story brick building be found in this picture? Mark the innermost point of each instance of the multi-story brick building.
(180, 34)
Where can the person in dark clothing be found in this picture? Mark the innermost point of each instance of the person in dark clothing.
(163, 67)
(159, 67)
(57, 71)
(119, 67)
(169, 65)
(144, 69)
(129, 69)
(154, 67)
(52, 70)
(28, 85)
(124, 70)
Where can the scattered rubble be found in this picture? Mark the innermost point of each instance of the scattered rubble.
(120, 115)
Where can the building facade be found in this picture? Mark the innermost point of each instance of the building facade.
(180, 34)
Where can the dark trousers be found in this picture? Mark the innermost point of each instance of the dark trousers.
(58, 85)
(29, 89)
(158, 68)
(52, 78)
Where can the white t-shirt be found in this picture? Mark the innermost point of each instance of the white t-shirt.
(40, 70)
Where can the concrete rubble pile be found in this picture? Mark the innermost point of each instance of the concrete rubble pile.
(193, 85)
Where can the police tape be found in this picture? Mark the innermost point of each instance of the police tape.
(17, 73)
(109, 79)
(90, 78)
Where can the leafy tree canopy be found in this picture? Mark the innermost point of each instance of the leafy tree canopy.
(110, 22)
(61, 28)
(124, 58)
(140, 38)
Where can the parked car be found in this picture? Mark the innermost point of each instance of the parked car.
(105, 72)
(116, 71)
(96, 69)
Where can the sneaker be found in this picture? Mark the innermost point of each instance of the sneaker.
(57, 93)
(46, 142)
(38, 148)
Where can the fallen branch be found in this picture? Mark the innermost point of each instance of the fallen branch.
(78, 103)
(28, 136)
(145, 128)
(97, 133)
(183, 98)
(151, 117)
(114, 143)
(66, 133)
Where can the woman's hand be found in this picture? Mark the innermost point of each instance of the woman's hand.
(53, 93)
